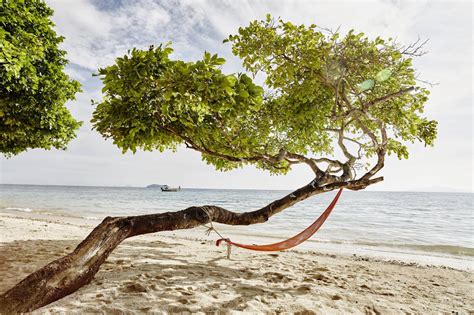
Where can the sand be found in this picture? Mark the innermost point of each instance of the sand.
(184, 272)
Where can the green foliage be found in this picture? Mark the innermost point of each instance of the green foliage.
(366, 85)
(153, 102)
(383, 75)
(300, 60)
(316, 82)
(33, 85)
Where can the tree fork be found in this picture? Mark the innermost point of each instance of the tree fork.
(71, 272)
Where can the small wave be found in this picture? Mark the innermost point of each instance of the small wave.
(436, 248)
(91, 218)
(19, 209)
(448, 249)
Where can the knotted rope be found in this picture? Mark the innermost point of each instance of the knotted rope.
(211, 229)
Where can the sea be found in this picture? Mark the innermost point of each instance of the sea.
(433, 228)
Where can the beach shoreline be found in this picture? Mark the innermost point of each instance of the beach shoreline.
(183, 271)
(415, 254)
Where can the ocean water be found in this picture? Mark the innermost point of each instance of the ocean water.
(430, 223)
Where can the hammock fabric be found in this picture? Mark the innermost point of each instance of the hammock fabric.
(295, 240)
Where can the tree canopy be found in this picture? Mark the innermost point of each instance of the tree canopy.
(33, 85)
(337, 102)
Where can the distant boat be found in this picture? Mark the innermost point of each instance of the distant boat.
(166, 188)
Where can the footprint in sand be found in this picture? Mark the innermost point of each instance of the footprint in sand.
(304, 289)
(276, 277)
(248, 275)
(366, 287)
(183, 292)
(320, 277)
(371, 310)
(160, 277)
(134, 288)
(179, 310)
(276, 295)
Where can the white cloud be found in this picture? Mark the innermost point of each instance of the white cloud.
(75, 74)
(95, 36)
(373, 17)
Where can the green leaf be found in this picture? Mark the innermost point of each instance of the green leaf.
(244, 94)
(383, 75)
(228, 89)
(219, 61)
(366, 85)
(231, 80)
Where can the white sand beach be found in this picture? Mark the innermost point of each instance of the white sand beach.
(183, 271)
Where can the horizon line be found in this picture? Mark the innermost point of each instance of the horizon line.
(453, 190)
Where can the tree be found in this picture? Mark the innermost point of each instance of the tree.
(337, 104)
(33, 85)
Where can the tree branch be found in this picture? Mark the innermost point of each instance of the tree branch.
(351, 158)
(359, 156)
(282, 155)
(387, 97)
(381, 148)
(308, 161)
(414, 49)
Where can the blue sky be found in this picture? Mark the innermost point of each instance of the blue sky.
(98, 31)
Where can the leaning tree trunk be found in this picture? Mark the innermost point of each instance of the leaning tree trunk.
(69, 273)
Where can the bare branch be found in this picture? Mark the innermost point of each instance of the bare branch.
(330, 30)
(336, 130)
(308, 161)
(329, 161)
(332, 169)
(431, 84)
(415, 49)
(340, 142)
(190, 144)
(282, 155)
(359, 156)
(381, 151)
(387, 97)
(364, 128)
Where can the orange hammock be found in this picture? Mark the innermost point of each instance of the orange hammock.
(295, 240)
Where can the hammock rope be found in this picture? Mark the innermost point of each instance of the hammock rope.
(286, 244)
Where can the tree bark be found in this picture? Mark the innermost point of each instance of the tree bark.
(69, 273)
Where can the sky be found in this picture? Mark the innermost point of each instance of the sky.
(98, 31)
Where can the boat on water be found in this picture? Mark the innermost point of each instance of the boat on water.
(167, 188)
